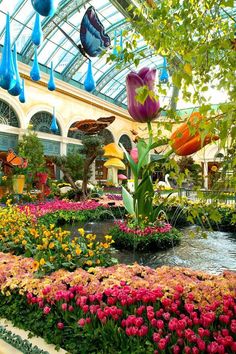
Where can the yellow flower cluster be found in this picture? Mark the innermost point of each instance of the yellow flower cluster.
(51, 247)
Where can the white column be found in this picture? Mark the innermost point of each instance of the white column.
(63, 149)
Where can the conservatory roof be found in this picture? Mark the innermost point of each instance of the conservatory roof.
(69, 64)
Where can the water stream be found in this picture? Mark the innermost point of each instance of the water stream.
(213, 254)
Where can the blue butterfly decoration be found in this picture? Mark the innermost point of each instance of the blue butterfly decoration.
(92, 35)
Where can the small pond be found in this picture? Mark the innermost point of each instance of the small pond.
(213, 254)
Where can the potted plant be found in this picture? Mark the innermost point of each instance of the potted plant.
(4, 184)
(18, 179)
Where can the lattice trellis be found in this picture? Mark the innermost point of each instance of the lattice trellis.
(126, 142)
(7, 115)
(42, 121)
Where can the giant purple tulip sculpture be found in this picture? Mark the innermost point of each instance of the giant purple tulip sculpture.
(140, 204)
(150, 108)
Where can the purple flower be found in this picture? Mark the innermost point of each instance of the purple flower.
(150, 109)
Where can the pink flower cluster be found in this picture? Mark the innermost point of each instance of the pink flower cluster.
(43, 208)
(175, 324)
(114, 196)
(147, 231)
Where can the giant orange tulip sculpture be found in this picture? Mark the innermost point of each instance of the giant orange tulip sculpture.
(184, 142)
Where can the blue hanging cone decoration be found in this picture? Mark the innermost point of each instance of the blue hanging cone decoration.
(54, 127)
(51, 82)
(22, 94)
(7, 69)
(115, 51)
(164, 76)
(121, 54)
(35, 73)
(89, 82)
(37, 34)
(45, 7)
(16, 90)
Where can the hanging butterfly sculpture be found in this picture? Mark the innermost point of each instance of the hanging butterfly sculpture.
(92, 35)
(15, 161)
(92, 126)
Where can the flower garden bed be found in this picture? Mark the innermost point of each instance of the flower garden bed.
(85, 308)
(149, 238)
(51, 247)
(122, 309)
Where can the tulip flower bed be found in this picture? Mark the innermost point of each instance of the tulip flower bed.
(146, 238)
(51, 247)
(60, 212)
(122, 309)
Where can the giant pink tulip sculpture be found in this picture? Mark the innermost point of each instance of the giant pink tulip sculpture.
(140, 203)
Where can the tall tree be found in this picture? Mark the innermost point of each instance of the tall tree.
(92, 148)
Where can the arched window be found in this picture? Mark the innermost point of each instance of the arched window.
(107, 136)
(42, 121)
(7, 115)
(126, 142)
(75, 134)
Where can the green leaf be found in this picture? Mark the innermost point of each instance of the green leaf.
(132, 164)
(128, 201)
(142, 94)
(144, 195)
(142, 153)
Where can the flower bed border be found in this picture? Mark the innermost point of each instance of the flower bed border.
(21, 344)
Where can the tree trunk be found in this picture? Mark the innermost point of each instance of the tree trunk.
(87, 165)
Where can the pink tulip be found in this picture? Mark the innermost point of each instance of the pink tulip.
(134, 154)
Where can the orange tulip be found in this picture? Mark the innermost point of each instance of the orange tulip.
(184, 143)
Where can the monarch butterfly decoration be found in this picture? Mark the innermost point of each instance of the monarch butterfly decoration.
(15, 160)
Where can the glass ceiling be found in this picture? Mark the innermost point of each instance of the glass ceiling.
(69, 64)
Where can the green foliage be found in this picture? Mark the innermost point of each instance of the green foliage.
(191, 170)
(31, 148)
(216, 216)
(197, 40)
(62, 217)
(128, 201)
(74, 164)
(92, 144)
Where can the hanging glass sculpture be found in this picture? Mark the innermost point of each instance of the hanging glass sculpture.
(115, 52)
(164, 76)
(89, 82)
(51, 82)
(35, 73)
(22, 94)
(45, 7)
(54, 127)
(16, 90)
(37, 34)
(7, 70)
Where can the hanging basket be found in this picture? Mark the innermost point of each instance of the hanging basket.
(18, 183)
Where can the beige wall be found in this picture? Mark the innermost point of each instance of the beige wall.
(71, 104)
